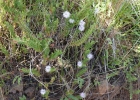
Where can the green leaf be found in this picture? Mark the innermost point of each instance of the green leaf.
(14, 80)
(72, 97)
(55, 54)
(11, 29)
(3, 50)
(89, 45)
(80, 82)
(66, 98)
(34, 71)
(69, 92)
(22, 98)
(84, 38)
(81, 72)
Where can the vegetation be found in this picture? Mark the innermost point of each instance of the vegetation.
(69, 49)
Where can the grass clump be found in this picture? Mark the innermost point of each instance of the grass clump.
(70, 49)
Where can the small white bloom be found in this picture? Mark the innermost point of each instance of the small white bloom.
(81, 28)
(71, 20)
(48, 68)
(82, 95)
(66, 14)
(96, 11)
(93, 4)
(42, 91)
(82, 23)
(90, 56)
(79, 64)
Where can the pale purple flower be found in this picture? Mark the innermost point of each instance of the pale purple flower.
(83, 95)
(71, 20)
(82, 23)
(48, 68)
(66, 14)
(90, 56)
(96, 11)
(42, 91)
(81, 28)
(79, 63)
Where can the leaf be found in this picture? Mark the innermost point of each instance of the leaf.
(22, 98)
(10, 28)
(34, 71)
(69, 92)
(52, 80)
(80, 82)
(72, 97)
(18, 79)
(3, 50)
(81, 72)
(55, 54)
(47, 94)
(89, 45)
(84, 38)
(15, 79)
(66, 98)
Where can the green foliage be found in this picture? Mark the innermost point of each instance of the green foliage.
(34, 71)
(55, 54)
(18, 79)
(81, 72)
(71, 97)
(36, 44)
(80, 82)
(84, 37)
(22, 98)
(34, 24)
(4, 50)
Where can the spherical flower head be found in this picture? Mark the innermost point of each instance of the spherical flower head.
(83, 95)
(81, 28)
(96, 11)
(79, 63)
(48, 68)
(42, 91)
(71, 20)
(90, 56)
(82, 23)
(66, 14)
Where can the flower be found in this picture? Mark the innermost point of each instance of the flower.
(82, 95)
(90, 56)
(82, 23)
(71, 20)
(42, 91)
(81, 28)
(66, 14)
(96, 11)
(79, 64)
(48, 68)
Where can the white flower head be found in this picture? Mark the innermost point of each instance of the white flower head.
(66, 14)
(71, 20)
(82, 23)
(42, 91)
(79, 63)
(93, 4)
(90, 56)
(83, 95)
(96, 11)
(48, 68)
(81, 28)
